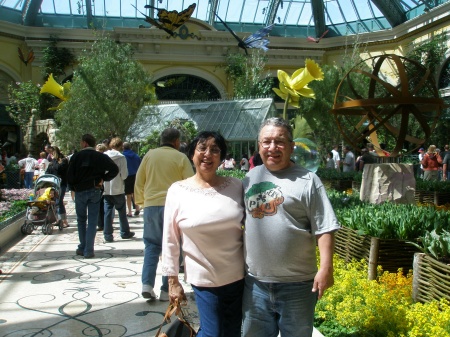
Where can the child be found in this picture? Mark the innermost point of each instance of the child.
(49, 196)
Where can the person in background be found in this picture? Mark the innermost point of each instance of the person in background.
(58, 167)
(133, 162)
(42, 163)
(29, 164)
(349, 160)
(330, 161)
(431, 163)
(114, 194)
(159, 169)
(49, 150)
(87, 171)
(420, 170)
(228, 163)
(244, 163)
(255, 160)
(101, 147)
(204, 216)
(288, 214)
(336, 158)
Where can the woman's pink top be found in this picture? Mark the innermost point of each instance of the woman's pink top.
(208, 222)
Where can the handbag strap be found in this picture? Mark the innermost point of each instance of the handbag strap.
(173, 308)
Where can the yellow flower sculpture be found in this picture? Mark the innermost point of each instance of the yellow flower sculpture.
(54, 88)
(292, 87)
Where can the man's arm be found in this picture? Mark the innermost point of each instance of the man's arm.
(324, 278)
(139, 183)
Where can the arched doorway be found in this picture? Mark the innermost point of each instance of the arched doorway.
(183, 87)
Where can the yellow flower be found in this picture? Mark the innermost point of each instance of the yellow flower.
(292, 87)
(54, 88)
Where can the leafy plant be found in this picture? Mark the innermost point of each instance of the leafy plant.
(107, 93)
(246, 73)
(24, 102)
(432, 186)
(327, 174)
(55, 59)
(392, 221)
(436, 243)
(9, 209)
(231, 173)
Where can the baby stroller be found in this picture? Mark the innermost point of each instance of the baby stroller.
(40, 212)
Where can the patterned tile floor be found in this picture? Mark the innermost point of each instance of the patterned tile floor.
(46, 290)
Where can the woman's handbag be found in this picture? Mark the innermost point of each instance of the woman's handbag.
(178, 328)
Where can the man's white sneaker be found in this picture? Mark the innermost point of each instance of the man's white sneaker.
(163, 296)
(147, 292)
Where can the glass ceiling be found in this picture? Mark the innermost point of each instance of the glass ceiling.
(291, 17)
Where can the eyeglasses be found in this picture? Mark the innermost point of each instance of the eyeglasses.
(212, 150)
(277, 143)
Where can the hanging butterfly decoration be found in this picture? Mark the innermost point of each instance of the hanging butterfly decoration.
(316, 40)
(169, 21)
(30, 56)
(256, 40)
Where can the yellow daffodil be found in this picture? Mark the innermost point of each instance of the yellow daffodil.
(292, 87)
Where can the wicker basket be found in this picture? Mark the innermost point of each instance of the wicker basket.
(391, 254)
(436, 198)
(431, 279)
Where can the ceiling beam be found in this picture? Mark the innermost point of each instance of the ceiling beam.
(89, 18)
(272, 12)
(30, 10)
(392, 10)
(318, 12)
(212, 10)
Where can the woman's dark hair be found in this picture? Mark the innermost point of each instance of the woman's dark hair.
(202, 137)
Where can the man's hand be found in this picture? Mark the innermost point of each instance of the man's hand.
(324, 279)
(176, 290)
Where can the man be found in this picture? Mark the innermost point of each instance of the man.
(349, 160)
(87, 171)
(133, 162)
(159, 169)
(287, 211)
(114, 194)
(336, 158)
(29, 164)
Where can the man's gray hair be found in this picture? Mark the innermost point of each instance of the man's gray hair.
(278, 122)
(169, 135)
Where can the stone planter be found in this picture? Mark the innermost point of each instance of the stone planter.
(10, 229)
(431, 279)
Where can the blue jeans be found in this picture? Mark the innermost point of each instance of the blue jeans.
(28, 179)
(61, 207)
(87, 205)
(220, 310)
(118, 202)
(269, 308)
(153, 233)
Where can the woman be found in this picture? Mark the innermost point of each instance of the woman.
(244, 163)
(431, 163)
(58, 167)
(204, 215)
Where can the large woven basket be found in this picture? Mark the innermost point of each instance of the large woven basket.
(390, 254)
(431, 279)
(432, 197)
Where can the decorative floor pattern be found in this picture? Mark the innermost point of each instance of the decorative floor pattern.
(47, 290)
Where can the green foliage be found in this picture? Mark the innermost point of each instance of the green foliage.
(231, 173)
(436, 243)
(342, 200)
(392, 221)
(246, 73)
(23, 98)
(15, 208)
(55, 59)
(329, 174)
(432, 186)
(187, 129)
(108, 91)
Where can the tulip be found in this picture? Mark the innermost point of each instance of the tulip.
(292, 87)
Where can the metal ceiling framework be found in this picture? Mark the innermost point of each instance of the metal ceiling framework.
(394, 11)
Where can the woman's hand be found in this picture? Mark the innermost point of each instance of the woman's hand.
(176, 290)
